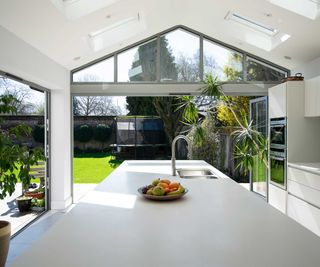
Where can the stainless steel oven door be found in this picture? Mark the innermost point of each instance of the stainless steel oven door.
(278, 171)
(278, 136)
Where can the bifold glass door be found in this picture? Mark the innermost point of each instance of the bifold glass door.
(259, 119)
(26, 199)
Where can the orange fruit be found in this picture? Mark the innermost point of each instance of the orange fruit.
(165, 181)
(174, 185)
(163, 185)
(167, 190)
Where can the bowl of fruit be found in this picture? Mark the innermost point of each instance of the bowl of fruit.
(163, 189)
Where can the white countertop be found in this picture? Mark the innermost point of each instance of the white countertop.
(217, 224)
(313, 167)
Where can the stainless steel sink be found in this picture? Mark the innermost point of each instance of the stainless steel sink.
(196, 173)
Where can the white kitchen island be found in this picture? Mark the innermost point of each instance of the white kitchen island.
(216, 224)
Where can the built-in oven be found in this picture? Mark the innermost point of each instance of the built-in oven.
(278, 167)
(278, 133)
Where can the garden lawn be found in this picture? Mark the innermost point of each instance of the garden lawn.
(93, 167)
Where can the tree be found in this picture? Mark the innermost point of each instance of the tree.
(75, 106)
(240, 105)
(141, 106)
(171, 115)
(232, 72)
(257, 71)
(165, 107)
(95, 105)
(87, 105)
(106, 107)
(168, 68)
(21, 95)
(188, 68)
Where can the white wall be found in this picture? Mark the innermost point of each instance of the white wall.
(309, 70)
(20, 59)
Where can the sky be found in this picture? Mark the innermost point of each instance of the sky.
(34, 97)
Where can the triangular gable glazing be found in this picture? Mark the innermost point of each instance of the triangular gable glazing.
(178, 56)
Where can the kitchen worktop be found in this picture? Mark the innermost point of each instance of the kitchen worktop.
(217, 223)
(313, 167)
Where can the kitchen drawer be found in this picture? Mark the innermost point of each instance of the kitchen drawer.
(304, 213)
(277, 198)
(304, 192)
(304, 177)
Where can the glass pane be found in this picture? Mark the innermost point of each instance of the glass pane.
(99, 72)
(222, 62)
(179, 53)
(259, 71)
(28, 108)
(138, 63)
(260, 124)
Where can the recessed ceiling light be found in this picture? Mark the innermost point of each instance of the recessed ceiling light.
(76, 58)
(288, 57)
(258, 26)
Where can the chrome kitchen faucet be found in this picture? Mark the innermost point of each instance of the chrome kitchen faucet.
(173, 151)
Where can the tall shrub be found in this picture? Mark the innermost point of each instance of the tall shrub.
(38, 134)
(102, 133)
(83, 133)
(210, 150)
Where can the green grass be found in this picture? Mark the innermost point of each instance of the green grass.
(259, 173)
(16, 172)
(93, 167)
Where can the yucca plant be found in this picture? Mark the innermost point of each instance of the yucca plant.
(249, 143)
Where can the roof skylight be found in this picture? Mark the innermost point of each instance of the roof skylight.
(255, 33)
(74, 9)
(251, 23)
(306, 8)
(116, 32)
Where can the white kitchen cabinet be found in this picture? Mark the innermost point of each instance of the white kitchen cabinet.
(306, 193)
(277, 198)
(305, 185)
(278, 101)
(304, 213)
(312, 97)
(304, 177)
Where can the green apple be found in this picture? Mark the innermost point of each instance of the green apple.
(150, 192)
(158, 191)
(155, 182)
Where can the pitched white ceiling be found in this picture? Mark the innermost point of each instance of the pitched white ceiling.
(61, 32)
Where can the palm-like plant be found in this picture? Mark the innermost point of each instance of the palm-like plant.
(249, 142)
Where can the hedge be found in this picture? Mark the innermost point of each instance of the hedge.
(38, 133)
(83, 133)
(102, 133)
